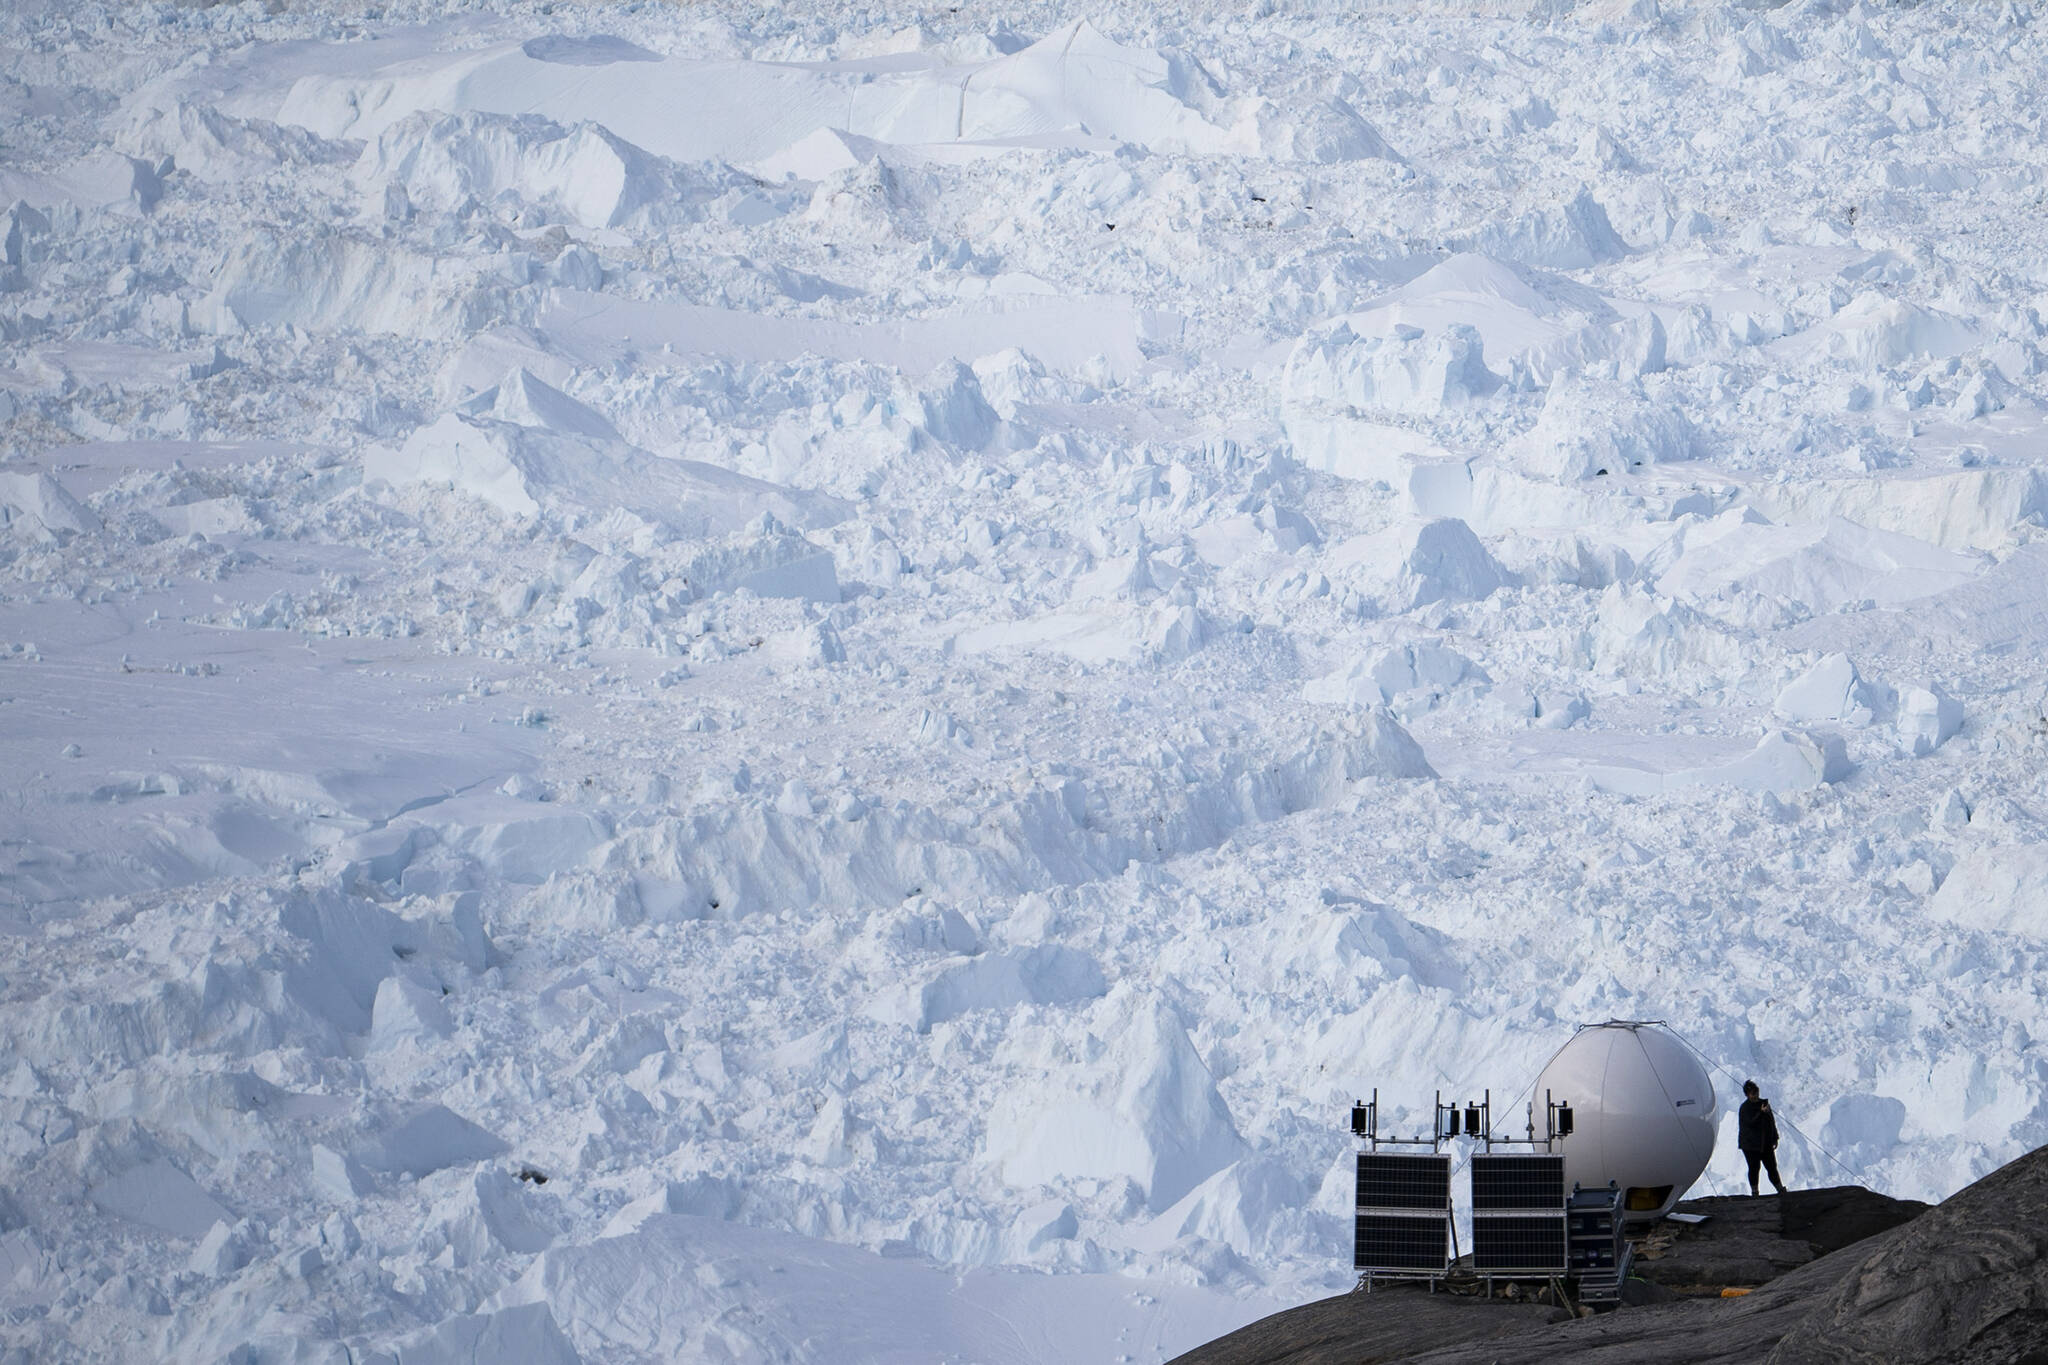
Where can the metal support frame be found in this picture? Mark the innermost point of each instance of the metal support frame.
(1514, 1206)
(1387, 1206)
(1473, 1121)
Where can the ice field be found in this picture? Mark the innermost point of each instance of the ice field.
(706, 681)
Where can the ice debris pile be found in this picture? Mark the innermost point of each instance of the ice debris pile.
(690, 681)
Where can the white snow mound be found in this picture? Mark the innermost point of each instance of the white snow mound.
(523, 471)
(1996, 887)
(583, 174)
(1876, 332)
(1144, 1109)
(1073, 85)
(1413, 564)
(1822, 564)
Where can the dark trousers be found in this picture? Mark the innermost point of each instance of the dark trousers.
(1767, 1159)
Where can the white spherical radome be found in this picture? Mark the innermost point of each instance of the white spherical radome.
(1643, 1113)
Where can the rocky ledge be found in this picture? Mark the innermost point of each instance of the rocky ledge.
(1840, 1275)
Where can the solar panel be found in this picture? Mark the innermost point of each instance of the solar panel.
(1518, 1242)
(1517, 1180)
(1404, 1180)
(1404, 1213)
(1400, 1242)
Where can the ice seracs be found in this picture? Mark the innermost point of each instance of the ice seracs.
(1419, 562)
(1831, 690)
(39, 505)
(583, 175)
(1426, 667)
(1587, 432)
(896, 651)
(1406, 370)
(1928, 718)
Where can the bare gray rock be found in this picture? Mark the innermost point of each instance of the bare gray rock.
(1352, 1329)
(1746, 1242)
(1820, 1267)
(1967, 1282)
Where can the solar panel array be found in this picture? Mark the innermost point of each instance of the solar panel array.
(1518, 1212)
(1404, 1213)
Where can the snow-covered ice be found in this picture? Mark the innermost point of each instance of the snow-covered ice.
(735, 682)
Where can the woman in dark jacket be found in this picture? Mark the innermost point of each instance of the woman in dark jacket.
(1756, 1133)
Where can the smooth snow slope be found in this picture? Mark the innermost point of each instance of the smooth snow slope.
(901, 658)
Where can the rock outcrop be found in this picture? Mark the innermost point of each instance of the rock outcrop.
(1843, 1276)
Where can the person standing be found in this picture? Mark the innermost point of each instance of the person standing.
(1756, 1133)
